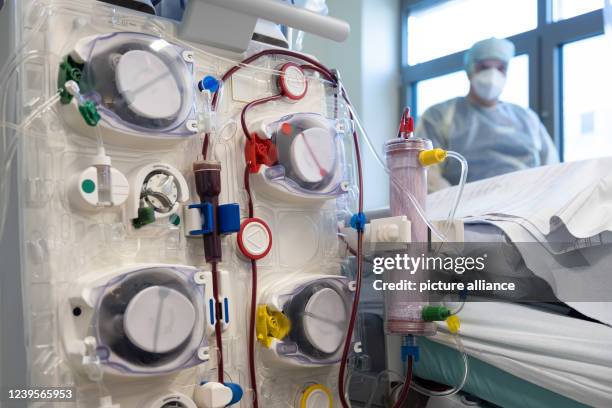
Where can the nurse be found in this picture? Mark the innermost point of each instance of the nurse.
(495, 137)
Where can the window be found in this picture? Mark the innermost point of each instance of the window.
(562, 71)
(465, 22)
(586, 106)
(439, 89)
(564, 9)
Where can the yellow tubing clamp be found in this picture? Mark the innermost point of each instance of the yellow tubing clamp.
(270, 324)
(433, 156)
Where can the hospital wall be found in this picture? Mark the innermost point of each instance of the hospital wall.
(12, 350)
(369, 64)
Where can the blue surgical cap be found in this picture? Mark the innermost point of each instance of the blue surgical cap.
(492, 48)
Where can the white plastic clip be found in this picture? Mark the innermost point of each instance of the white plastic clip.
(352, 285)
(200, 278)
(188, 56)
(357, 347)
(192, 125)
(204, 353)
(390, 230)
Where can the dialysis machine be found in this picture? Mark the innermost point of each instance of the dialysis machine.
(181, 205)
(192, 212)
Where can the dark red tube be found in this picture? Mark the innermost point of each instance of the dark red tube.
(406, 387)
(318, 67)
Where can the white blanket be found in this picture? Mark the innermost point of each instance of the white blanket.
(579, 194)
(563, 208)
(569, 356)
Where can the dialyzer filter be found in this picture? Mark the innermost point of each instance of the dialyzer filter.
(403, 307)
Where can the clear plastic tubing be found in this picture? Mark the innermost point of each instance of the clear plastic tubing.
(462, 181)
(403, 307)
(456, 389)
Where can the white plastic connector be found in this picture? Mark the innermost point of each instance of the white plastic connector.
(72, 88)
(212, 395)
(91, 361)
(390, 230)
(207, 117)
(101, 158)
(192, 221)
(455, 232)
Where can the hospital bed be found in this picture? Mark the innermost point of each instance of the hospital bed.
(521, 355)
(525, 354)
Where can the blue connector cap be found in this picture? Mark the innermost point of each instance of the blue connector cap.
(410, 351)
(236, 392)
(206, 216)
(209, 83)
(228, 218)
(358, 221)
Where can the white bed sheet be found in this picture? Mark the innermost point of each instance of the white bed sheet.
(577, 194)
(563, 207)
(573, 286)
(569, 356)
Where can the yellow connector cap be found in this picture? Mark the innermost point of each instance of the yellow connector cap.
(270, 324)
(433, 156)
(453, 324)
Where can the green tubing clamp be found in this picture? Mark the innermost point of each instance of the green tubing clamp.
(89, 112)
(146, 216)
(435, 313)
(69, 70)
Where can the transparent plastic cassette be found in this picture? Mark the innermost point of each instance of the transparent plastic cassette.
(133, 319)
(139, 83)
(300, 155)
(318, 310)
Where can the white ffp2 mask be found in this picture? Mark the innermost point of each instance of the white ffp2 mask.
(489, 84)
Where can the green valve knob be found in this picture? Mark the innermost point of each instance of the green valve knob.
(435, 313)
(175, 219)
(88, 186)
(89, 113)
(146, 215)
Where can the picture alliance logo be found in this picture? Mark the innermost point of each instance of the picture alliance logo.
(413, 264)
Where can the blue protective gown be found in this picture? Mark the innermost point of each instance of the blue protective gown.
(494, 140)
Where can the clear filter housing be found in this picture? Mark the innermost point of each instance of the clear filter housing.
(403, 307)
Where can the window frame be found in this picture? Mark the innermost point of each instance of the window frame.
(543, 45)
